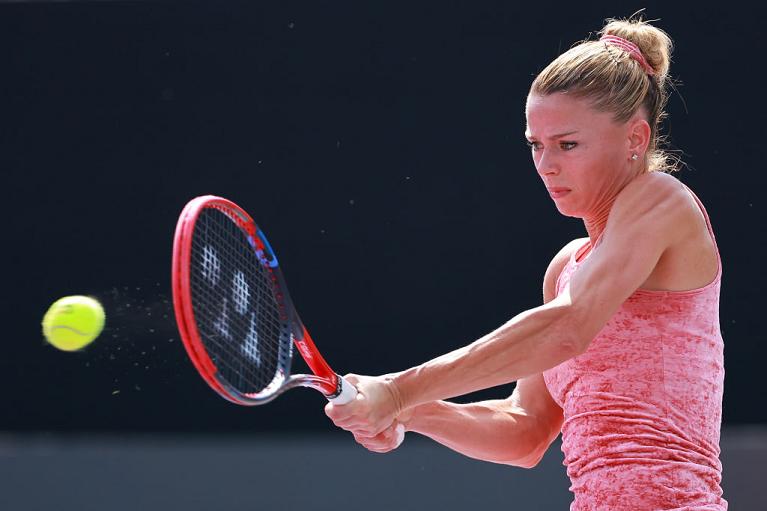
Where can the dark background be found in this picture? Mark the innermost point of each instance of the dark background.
(379, 145)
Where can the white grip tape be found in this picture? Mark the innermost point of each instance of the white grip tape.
(400, 432)
(348, 392)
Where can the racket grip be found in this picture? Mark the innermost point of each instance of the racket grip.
(348, 392)
(399, 430)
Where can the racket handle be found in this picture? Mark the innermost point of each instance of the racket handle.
(348, 392)
(399, 430)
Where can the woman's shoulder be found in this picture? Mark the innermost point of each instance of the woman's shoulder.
(652, 187)
(654, 199)
(655, 189)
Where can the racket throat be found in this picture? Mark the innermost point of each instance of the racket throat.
(308, 350)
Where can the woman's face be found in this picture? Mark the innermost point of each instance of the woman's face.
(582, 155)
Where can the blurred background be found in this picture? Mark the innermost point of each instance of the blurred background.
(380, 145)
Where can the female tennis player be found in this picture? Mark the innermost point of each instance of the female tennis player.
(625, 356)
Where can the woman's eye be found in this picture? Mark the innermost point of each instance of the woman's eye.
(567, 145)
(533, 145)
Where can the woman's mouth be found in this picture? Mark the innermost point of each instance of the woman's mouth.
(558, 192)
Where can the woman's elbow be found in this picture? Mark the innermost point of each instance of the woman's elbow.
(531, 446)
(525, 456)
(575, 333)
(531, 460)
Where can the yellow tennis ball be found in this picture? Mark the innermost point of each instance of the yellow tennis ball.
(73, 322)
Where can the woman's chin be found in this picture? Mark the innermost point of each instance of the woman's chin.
(567, 210)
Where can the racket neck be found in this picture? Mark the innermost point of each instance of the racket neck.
(315, 361)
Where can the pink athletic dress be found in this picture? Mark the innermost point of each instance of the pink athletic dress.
(643, 405)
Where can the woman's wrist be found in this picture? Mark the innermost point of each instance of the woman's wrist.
(407, 416)
(420, 418)
(394, 393)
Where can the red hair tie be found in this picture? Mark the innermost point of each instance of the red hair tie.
(630, 48)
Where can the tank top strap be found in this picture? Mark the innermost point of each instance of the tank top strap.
(710, 232)
(564, 274)
(705, 216)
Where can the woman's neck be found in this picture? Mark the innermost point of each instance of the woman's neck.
(596, 221)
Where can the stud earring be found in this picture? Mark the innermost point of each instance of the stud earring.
(634, 156)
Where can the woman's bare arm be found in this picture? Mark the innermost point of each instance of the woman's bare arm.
(514, 431)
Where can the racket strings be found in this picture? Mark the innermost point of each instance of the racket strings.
(237, 313)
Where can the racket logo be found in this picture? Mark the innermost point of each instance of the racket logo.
(250, 346)
(211, 266)
(240, 299)
(240, 292)
(304, 349)
(221, 324)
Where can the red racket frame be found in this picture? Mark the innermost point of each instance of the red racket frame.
(324, 378)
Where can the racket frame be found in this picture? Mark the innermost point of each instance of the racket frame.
(324, 379)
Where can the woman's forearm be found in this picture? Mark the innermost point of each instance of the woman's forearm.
(489, 430)
(530, 343)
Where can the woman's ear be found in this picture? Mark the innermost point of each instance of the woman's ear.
(639, 136)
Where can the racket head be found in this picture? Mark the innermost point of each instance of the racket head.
(234, 314)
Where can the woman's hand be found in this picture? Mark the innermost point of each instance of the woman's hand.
(385, 441)
(373, 411)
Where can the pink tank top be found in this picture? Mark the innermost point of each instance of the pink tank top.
(643, 405)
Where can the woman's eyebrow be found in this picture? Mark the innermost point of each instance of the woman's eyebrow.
(528, 135)
(565, 134)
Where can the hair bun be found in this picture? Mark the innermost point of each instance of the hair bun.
(654, 43)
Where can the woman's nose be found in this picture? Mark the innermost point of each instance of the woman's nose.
(547, 166)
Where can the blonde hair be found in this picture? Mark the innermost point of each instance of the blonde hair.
(615, 82)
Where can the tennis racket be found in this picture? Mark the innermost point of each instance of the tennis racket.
(233, 309)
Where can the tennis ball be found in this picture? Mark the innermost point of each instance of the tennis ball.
(73, 322)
